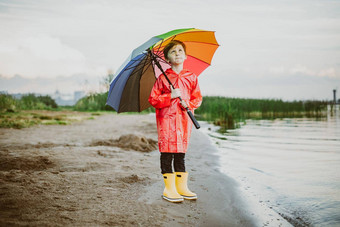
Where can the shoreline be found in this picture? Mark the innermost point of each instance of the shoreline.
(69, 175)
(264, 213)
(258, 214)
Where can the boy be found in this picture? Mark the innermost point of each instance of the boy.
(173, 123)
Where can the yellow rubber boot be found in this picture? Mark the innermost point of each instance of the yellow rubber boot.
(182, 186)
(170, 193)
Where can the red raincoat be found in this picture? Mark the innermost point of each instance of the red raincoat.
(173, 123)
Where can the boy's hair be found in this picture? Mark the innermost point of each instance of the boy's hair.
(171, 45)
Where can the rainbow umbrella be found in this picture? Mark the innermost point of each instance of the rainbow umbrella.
(132, 84)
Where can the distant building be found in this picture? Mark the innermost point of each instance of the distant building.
(67, 99)
(78, 95)
(62, 99)
(17, 95)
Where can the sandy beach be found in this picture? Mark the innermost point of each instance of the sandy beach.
(105, 172)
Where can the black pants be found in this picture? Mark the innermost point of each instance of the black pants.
(176, 158)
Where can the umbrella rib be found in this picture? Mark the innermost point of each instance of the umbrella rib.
(134, 71)
(159, 46)
(131, 67)
(160, 58)
(137, 71)
(148, 65)
(200, 60)
(214, 44)
(171, 39)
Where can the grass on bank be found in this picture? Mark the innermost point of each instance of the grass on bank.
(28, 118)
(32, 110)
(225, 112)
(230, 112)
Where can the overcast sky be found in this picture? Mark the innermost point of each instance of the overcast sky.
(269, 49)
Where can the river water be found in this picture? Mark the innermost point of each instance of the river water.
(292, 166)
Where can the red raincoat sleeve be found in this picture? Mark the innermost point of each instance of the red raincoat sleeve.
(158, 98)
(196, 97)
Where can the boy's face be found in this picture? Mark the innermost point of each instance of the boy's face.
(176, 55)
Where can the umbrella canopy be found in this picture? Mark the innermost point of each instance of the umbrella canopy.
(133, 82)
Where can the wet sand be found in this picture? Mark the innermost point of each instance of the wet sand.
(105, 172)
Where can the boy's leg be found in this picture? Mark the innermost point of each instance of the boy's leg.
(166, 162)
(179, 162)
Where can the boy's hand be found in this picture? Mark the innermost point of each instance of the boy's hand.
(184, 104)
(175, 93)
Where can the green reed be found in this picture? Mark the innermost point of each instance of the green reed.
(27, 102)
(93, 102)
(230, 112)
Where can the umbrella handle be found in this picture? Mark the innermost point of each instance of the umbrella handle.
(191, 115)
(193, 119)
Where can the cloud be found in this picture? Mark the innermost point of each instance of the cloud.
(64, 84)
(40, 55)
(282, 71)
(45, 47)
(301, 69)
(330, 72)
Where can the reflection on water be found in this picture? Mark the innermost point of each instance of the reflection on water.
(292, 165)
